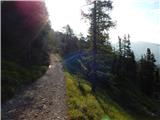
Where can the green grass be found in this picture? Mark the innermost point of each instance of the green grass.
(113, 110)
(84, 105)
(14, 75)
(137, 105)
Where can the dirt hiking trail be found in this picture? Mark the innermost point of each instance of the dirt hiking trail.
(45, 99)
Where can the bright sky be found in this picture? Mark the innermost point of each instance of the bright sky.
(139, 18)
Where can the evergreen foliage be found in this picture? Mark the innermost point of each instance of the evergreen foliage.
(147, 71)
(125, 66)
(25, 53)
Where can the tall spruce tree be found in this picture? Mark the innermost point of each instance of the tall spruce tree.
(100, 23)
(147, 72)
(126, 66)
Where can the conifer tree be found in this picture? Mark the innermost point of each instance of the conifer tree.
(100, 23)
(126, 66)
(103, 22)
(147, 72)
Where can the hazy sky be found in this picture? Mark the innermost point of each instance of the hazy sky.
(139, 18)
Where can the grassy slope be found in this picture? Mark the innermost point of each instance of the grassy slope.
(14, 75)
(111, 108)
(134, 102)
(83, 104)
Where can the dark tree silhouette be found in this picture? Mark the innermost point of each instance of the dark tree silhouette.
(147, 72)
(25, 29)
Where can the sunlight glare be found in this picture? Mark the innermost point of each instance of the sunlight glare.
(66, 12)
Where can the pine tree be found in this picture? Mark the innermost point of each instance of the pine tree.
(100, 23)
(147, 72)
(68, 30)
(125, 65)
(120, 45)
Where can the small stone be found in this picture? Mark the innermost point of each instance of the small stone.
(58, 117)
(44, 106)
(36, 115)
(11, 111)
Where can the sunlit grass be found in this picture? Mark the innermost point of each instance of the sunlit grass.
(113, 110)
(82, 103)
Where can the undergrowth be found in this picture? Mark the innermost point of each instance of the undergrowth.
(84, 105)
(14, 75)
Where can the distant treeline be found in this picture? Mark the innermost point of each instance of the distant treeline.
(119, 63)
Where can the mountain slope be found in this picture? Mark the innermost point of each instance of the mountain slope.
(140, 49)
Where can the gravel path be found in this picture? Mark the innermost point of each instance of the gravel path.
(43, 100)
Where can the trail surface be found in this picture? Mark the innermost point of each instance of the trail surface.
(43, 100)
